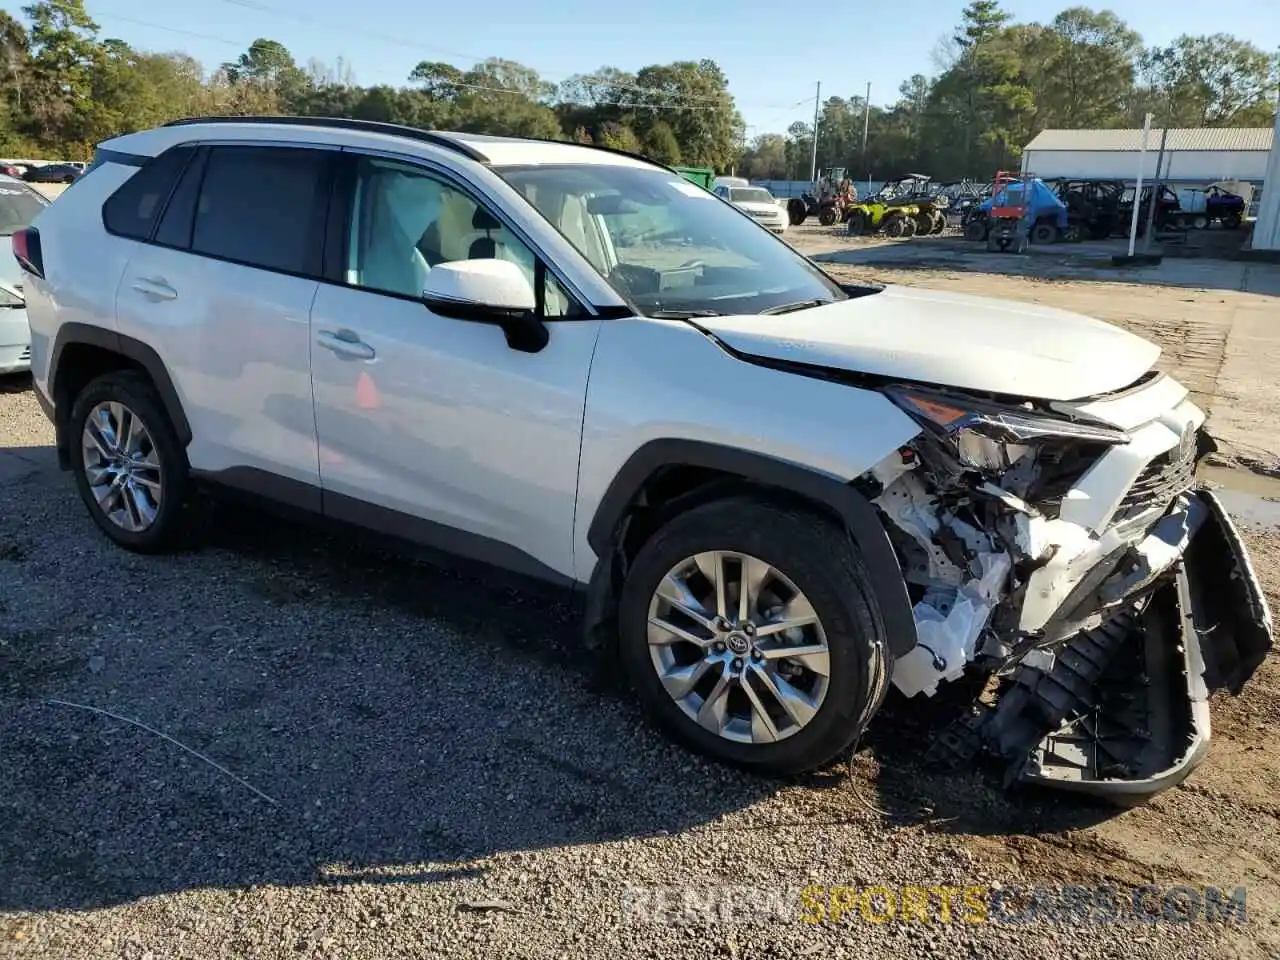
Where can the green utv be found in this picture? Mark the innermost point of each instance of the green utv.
(875, 216)
(917, 191)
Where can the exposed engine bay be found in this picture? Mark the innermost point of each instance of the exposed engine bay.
(1063, 552)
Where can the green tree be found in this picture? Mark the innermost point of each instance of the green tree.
(1216, 80)
(660, 143)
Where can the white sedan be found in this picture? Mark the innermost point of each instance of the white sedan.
(18, 206)
(756, 202)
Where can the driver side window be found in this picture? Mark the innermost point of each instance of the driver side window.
(406, 221)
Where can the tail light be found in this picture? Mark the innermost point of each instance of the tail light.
(26, 249)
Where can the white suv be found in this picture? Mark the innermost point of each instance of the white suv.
(777, 494)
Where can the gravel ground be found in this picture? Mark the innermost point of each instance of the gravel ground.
(418, 763)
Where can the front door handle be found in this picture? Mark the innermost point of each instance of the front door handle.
(345, 343)
(155, 288)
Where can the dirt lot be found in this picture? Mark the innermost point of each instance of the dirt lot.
(448, 770)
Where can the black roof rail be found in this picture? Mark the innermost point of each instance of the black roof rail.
(348, 123)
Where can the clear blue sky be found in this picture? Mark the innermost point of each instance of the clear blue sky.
(772, 52)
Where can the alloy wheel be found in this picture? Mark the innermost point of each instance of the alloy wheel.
(738, 647)
(122, 466)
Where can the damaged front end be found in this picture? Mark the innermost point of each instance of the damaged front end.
(1064, 550)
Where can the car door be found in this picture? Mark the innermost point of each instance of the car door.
(434, 427)
(222, 290)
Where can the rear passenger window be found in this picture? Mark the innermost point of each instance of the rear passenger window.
(263, 206)
(132, 210)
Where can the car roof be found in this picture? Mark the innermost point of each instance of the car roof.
(481, 148)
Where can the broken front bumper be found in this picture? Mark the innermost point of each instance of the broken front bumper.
(1123, 711)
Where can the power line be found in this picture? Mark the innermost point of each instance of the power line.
(584, 78)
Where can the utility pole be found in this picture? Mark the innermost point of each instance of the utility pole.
(817, 100)
(866, 126)
(1137, 191)
(1157, 187)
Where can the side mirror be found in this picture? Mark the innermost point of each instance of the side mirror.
(488, 291)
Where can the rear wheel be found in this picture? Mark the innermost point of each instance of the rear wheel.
(975, 230)
(1199, 222)
(939, 221)
(749, 633)
(1231, 221)
(924, 223)
(796, 211)
(128, 463)
(908, 226)
(827, 215)
(1044, 233)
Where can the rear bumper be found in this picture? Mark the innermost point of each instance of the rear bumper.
(15, 341)
(1123, 712)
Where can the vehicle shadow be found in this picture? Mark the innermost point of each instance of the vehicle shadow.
(967, 797)
(375, 720)
(15, 382)
(407, 723)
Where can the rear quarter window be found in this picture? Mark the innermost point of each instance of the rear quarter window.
(264, 207)
(133, 210)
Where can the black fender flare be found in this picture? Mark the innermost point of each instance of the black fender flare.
(835, 497)
(134, 350)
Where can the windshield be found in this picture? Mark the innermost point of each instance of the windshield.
(666, 245)
(750, 195)
(18, 207)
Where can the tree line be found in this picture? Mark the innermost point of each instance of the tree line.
(65, 87)
(999, 83)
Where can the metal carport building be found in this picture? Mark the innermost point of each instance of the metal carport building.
(1192, 156)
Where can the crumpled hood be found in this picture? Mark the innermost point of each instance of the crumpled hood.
(955, 340)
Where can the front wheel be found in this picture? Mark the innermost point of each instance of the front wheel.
(827, 216)
(1044, 233)
(1231, 221)
(749, 631)
(128, 463)
(796, 211)
(975, 230)
(894, 227)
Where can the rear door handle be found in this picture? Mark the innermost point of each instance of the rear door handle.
(155, 288)
(345, 343)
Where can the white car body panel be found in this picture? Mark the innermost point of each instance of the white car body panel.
(235, 340)
(664, 379)
(86, 265)
(956, 340)
(449, 424)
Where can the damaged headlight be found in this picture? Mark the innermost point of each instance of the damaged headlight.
(988, 436)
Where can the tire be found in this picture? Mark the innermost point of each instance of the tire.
(939, 222)
(827, 216)
(816, 557)
(975, 230)
(893, 226)
(167, 526)
(1199, 222)
(924, 224)
(796, 211)
(857, 224)
(1231, 221)
(909, 226)
(1073, 234)
(1044, 233)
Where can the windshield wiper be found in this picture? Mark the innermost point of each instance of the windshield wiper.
(682, 314)
(792, 307)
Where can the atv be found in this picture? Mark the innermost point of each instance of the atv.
(873, 216)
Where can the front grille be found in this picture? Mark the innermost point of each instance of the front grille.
(1163, 479)
(762, 215)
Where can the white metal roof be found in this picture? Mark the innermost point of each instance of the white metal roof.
(1202, 138)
